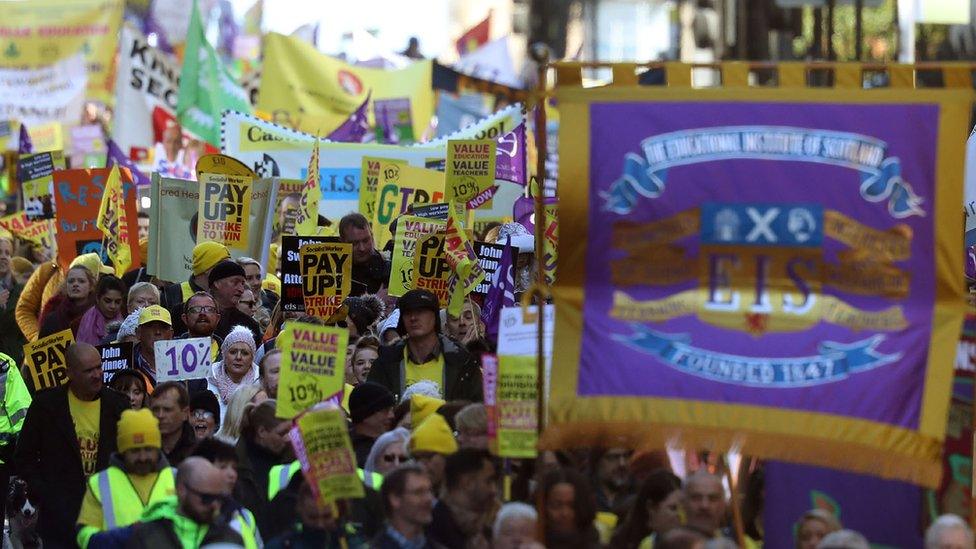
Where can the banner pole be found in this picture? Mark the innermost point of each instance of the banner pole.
(740, 534)
(540, 226)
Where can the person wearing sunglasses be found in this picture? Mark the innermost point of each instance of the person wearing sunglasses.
(388, 452)
(201, 514)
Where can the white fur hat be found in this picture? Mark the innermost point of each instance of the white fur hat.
(238, 334)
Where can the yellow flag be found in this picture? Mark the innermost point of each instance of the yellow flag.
(113, 223)
(463, 261)
(308, 210)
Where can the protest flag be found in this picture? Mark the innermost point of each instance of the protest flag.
(114, 224)
(25, 145)
(355, 127)
(253, 17)
(308, 211)
(475, 37)
(500, 294)
(206, 87)
(116, 157)
(463, 261)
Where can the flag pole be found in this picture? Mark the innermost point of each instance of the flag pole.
(541, 55)
(740, 534)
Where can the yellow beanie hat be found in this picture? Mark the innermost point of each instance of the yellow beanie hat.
(138, 429)
(206, 255)
(91, 262)
(144, 250)
(433, 435)
(422, 406)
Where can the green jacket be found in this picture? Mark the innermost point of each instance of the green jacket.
(163, 526)
(15, 399)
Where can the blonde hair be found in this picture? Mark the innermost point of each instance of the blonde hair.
(230, 428)
(138, 288)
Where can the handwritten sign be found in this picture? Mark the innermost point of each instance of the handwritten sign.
(471, 171)
(78, 197)
(516, 407)
(182, 359)
(409, 230)
(430, 268)
(115, 357)
(328, 451)
(312, 365)
(45, 360)
(224, 209)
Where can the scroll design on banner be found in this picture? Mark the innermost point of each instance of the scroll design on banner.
(880, 175)
(834, 361)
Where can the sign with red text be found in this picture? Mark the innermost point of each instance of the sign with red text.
(312, 365)
(471, 171)
(224, 209)
(326, 276)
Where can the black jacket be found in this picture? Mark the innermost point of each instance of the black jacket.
(251, 491)
(49, 459)
(462, 376)
(369, 277)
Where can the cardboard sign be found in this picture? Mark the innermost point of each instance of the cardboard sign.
(292, 297)
(409, 230)
(45, 360)
(326, 277)
(312, 365)
(489, 258)
(430, 268)
(369, 181)
(399, 187)
(35, 171)
(115, 357)
(222, 164)
(439, 210)
(470, 171)
(328, 452)
(224, 209)
(516, 407)
(182, 359)
(287, 206)
(38, 232)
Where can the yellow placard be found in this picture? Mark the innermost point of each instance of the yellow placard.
(410, 229)
(368, 183)
(38, 232)
(401, 186)
(326, 270)
(312, 365)
(431, 270)
(516, 407)
(224, 211)
(221, 163)
(45, 360)
(470, 170)
(330, 457)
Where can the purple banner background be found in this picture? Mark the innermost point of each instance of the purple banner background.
(887, 512)
(890, 393)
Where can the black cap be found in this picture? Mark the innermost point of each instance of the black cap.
(416, 300)
(368, 398)
(225, 269)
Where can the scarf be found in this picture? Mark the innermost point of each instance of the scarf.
(225, 385)
(91, 329)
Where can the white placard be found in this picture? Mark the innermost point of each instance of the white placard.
(517, 337)
(182, 359)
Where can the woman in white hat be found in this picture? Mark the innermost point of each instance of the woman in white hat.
(236, 367)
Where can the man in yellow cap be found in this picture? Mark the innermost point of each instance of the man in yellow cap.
(155, 324)
(430, 444)
(205, 256)
(138, 476)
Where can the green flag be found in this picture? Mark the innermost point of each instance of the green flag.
(206, 88)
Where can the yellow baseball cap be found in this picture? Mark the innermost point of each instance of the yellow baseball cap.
(155, 313)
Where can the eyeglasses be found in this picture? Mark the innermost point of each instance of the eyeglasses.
(205, 498)
(391, 458)
(202, 414)
(203, 309)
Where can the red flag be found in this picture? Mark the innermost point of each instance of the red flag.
(475, 37)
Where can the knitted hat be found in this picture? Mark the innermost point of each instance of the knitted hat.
(138, 429)
(91, 262)
(206, 255)
(206, 400)
(367, 399)
(21, 265)
(364, 310)
(224, 269)
(422, 406)
(154, 313)
(433, 435)
(238, 334)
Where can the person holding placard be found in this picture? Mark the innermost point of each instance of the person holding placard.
(370, 270)
(227, 286)
(237, 367)
(200, 316)
(155, 324)
(69, 433)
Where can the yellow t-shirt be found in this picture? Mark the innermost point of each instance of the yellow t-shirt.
(432, 370)
(85, 416)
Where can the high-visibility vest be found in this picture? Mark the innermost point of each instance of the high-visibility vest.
(280, 475)
(120, 502)
(15, 399)
(187, 291)
(242, 522)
